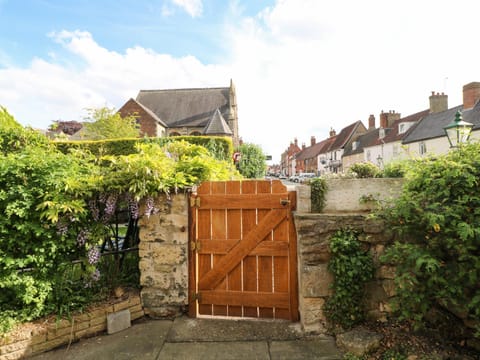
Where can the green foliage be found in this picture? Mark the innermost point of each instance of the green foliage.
(219, 147)
(318, 192)
(437, 219)
(352, 267)
(396, 169)
(57, 208)
(7, 121)
(253, 163)
(13, 137)
(105, 123)
(364, 170)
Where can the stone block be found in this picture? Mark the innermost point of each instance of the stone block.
(386, 272)
(359, 341)
(315, 281)
(168, 254)
(312, 311)
(118, 321)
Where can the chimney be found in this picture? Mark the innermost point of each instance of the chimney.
(383, 120)
(471, 95)
(332, 132)
(296, 142)
(312, 141)
(438, 102)
(303, 146)
(387, 119)
(371, 122)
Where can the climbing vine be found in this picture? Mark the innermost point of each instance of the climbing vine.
(352, 267)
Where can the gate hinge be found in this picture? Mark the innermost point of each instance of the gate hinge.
(195, 201)
(195, 246)
(197, 296)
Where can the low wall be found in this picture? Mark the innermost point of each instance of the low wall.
(313, 234)
(349, 195)
(33, 338)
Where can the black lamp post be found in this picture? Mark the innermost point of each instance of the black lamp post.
(458, 131)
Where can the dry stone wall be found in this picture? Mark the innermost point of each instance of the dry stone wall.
(313, 234)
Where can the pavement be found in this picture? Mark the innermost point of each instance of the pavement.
(189, 339)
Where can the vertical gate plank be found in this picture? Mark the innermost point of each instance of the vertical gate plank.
(249, 278)
(219, 232)
(280, 268)
(265, 271)
(234, 232)
(204, 260)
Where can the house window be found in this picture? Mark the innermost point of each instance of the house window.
(355, 145)
(369, 155)
(402, 128)
(422, 148)
(395, 150)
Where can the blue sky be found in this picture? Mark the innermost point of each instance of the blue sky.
(300, 66)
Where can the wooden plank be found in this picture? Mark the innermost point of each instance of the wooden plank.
(242, 249)
(293, 288)
(234, 234)
(243, 201)
(265, 271)
(204, 261)
(265, 248)
(249, 263)
(250, 299)
(219, 232)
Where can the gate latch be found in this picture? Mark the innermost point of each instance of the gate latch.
(284, 202)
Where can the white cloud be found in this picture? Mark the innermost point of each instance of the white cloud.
(193, 7)
(46, 91)
(300, 67)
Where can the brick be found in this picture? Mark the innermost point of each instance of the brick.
(99, 320)
(52, 344)
(137, 315)
(16, 346)
(16, 355)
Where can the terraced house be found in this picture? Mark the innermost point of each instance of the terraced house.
(417, 135)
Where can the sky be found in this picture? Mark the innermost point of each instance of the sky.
(300, 67)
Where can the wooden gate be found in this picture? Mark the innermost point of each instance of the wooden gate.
(243, 253)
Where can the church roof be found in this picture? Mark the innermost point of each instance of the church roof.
(186, 107)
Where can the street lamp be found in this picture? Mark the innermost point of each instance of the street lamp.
(458, 131)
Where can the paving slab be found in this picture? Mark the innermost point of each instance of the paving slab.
(187, 329)
(143, 340)
(233, 350)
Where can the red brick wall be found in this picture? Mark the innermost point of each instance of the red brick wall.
(471, 94)
(148, 125)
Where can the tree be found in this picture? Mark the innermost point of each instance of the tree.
(106, 123)
(252, 164)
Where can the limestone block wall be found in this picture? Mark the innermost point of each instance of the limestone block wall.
(163, 253)
(313, 234)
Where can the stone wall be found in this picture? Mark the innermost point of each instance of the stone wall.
(163, 252)
(313, 234)
(33, 338)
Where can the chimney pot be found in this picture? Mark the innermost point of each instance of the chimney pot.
(371, 122)
(438, 102)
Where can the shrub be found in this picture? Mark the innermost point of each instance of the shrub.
(437, 219)
(364, 170)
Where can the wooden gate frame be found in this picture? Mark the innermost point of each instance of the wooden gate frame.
(273, 205)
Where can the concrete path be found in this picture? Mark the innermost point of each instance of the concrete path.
(208, 339)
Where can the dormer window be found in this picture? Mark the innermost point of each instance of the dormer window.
(401, 128)
(355, 145)
(381, 133)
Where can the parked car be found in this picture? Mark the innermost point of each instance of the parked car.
(305, 177)
(293, 178)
